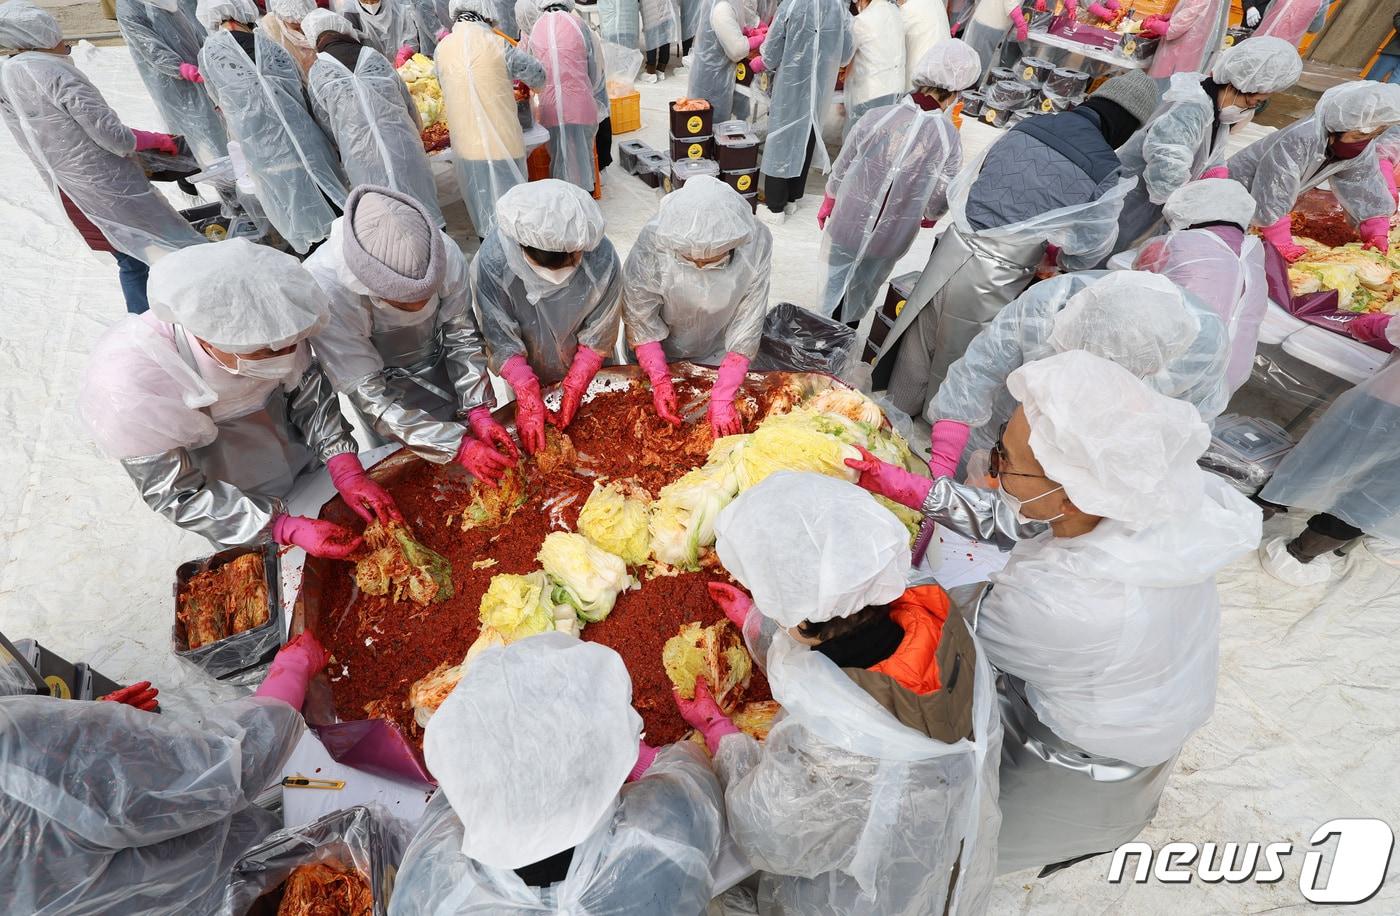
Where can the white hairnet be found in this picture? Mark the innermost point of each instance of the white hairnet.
(1138, 320)
(1363, 106)
(811, 547)
(213, 13)
(703, 219)
(1263, 64)
(291, 10)
(486, 9)
(550, 215)
(1120, 449)
(1210, 200)
(950, 64)
(533, 745)
(237, 296)
(23, 26)
(319, 22)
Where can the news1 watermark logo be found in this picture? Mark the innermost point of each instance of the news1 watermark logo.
(1359, 859)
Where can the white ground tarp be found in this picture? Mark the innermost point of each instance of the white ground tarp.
(1305, 727)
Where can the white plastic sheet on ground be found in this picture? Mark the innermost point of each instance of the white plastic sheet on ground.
(1305, 726)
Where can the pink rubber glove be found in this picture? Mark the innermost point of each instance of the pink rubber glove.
(1072, 9)
(724, 420)
(1280, 235)
(1388, 173)
(1018, 18)
(146, 139)
(663, 393)
(443, 33)
(1113, 5)
(140, 696)
(889, 481)
(529, 405)
(1100, 11)
(949, 439)
(402, 57)
(757, 65)
(369, 500)
(824, 211)
(704, 715)
(1040, 6)
(587, 362)
(292, 669)
(735, 602)
(1375, 233)
(1219, 171)
(1370, 329)
(756, 40)
(1156, 26)
(646, 756)
(320, 539)
(191, 73)
(486, 428)
(482, 461)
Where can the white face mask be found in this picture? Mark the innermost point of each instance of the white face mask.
(1017, 504)
(394, 317)
(1234, 114)
(271, 369)
(556, 275)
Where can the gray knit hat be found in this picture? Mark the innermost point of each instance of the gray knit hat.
(393, 245)
(1134, 91)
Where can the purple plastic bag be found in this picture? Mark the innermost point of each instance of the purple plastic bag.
(1319, 308)
(375, 746)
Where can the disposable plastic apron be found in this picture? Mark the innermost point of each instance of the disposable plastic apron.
(260, 453)
(712, 72)
(415, 368)
(1140, 215)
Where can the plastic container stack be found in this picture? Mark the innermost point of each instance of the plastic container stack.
(692, 130)
(736, 148)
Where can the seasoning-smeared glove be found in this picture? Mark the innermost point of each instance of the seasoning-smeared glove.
(889, 481)
(402, 57)
(1280, 235)
(663, 394)
(1100, 11)
(735, 602)
(704, 715)
(1375, 233)
(1040, 6)
(146, 139)
(292, 669)
(824, 211)
(318, 538)
(369, 500)
(191, 73)
(529, 404)
(948, 441)
(646, 756)
(1370, 329)
(724, 419)
(587, 362)
(1018, 18)
(757, 65)
(756, 40)
(486, 428)
(138, 696)
(1219, 171)
(482, 461)
(1156, 26)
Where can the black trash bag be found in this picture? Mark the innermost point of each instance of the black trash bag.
(796, 340)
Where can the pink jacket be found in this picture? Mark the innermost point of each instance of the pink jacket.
(1288, 19)
(1195, 30)
(558, 42)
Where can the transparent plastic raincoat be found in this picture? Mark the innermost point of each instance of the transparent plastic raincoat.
(719, 46)
(374, 122)
(1288, 19)
(291, 162)
(893, 172)
(475, 68)
(692, 13)
(699, 314)
(808, 41)
(393, 25)
(988, 29)
(925, 25)
(1280, 167)
(661, 23)
(81, 148)
(109, 809)
(567, 103)
(1195, 31)
(877, 74)
(1171, 356)
(410, 381)
(160, 40)
(1347, 464)
(620, 21)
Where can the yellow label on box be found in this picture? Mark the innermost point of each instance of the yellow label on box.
(741, 71)
(1046, 105)
(695, 151)
(745, 182)
(1130, 47)
(899, 306)
(989, 115)
(58, 688)
(694, 124)
(1028, 73)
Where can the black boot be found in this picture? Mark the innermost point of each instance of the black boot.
(1310, 545)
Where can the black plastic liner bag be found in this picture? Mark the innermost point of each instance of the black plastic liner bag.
(797, 340)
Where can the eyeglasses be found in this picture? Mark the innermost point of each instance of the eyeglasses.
(999, 461)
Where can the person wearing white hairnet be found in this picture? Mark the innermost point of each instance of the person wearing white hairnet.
(548, 290)
(106, 808)
(83, 152)
(476, 67)
(729, 33)
(1335, 146)
(925, 25)
(164, 38)
(1185, 137)
(259, 88)
(1209, 255)
(876, 74)
(1141, 321)
(890, 180)
(282, 23)
(366, 108)
(396, 28)
(401, 342)
(695, 287)
(806, 44)
(1105, 627)
(1050, 190)
(875, 791)
(215, 405)
(550, 802)
(568, 106)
